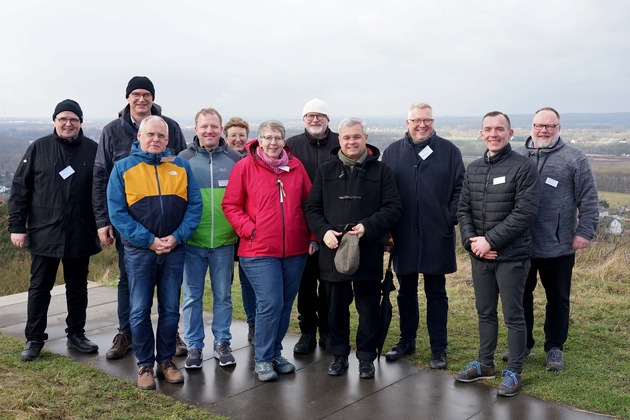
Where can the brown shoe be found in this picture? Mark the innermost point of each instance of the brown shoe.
(180, 347)
(145, 378)
(121, 345)
(169, 372)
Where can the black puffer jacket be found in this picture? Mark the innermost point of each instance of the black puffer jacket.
(114, 145)
(54, 212)
(313, 152)
(499, 201)
(341, 197)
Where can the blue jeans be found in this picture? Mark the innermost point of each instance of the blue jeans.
(220, 260)
(249, 297)
(146, 270)
(276, 282)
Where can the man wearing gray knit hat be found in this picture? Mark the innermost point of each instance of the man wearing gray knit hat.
(114, 145)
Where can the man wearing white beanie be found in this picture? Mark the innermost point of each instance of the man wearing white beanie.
(313, 148)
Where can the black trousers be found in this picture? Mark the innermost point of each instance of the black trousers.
(43, 274)
(340, 296)
(555, 276)
(312, 303)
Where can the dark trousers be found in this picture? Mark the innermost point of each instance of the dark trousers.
(437, 309)
(367, 302)
(492, 279)
(555, 276)
(43, 274)
(123, 288)
(312, 303)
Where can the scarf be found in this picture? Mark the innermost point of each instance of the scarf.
(274, 164)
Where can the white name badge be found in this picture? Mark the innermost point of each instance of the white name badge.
(425, 153)
(552, 182)
(498, 180)
(223, 182)
(284, 168)
(66, 172)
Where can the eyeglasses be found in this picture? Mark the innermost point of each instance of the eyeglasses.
(311, 117)
(269, 139)
(417, 121)
(64, 121)
(549, 127)
(237, 136)
(136, 95)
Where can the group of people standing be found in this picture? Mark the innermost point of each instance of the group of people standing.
(282, 208)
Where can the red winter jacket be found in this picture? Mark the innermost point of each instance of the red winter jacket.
(267, 210)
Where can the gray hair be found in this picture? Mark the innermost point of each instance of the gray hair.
(271, 125)
(420, 105)
(153, 118)
(352, 121)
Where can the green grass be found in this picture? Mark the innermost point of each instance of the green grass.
(615, 199)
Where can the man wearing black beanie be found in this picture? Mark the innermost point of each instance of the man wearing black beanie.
(114, 145)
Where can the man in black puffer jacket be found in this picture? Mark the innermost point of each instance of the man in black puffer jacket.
(497, 207)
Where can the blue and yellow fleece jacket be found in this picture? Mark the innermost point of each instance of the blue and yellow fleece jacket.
(153, 195)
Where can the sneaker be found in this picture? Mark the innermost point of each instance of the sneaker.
(180, 347)
(366, 369)
(81, 343)
(305, 344)
(223, 353)
(438, 360)
(401, 349)
(338, 366)
(120, 346)
(31, 350)
(282, 365)
(146, 380)
(554, 360)
(265, 372)
(475, 371)
(506, 355)
(251, 329)
(510, 385)
(325, 342)
(169, 372)
(194, 359)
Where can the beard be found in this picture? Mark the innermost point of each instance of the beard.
(540, 143)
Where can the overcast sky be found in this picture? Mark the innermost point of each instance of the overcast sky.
(266, 58)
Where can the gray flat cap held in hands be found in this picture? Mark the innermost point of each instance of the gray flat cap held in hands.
(347, 256)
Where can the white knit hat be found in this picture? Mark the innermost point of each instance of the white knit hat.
(315, 105)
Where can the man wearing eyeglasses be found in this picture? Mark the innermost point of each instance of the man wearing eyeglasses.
(567, 220)
(428, 170)
(114, 145)
(50, 214)
(313, 148)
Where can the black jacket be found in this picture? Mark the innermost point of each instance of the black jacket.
(54, 212)
(342, 198)
(313, 152)
(499, 201)
(114, 145)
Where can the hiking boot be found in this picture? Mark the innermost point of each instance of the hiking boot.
(506, 355)
(194, 359)
(325, 342)
(31, 350)
(401, 349)
(223, 353)
(510, 385)
(265, 372)
(305, 344)
(366, 369)
(169, 372)
(180, 347)
(282, 365)
(474, 372)
(81, 343)
(554, 360)
(146, 380)
(338, 366)
(251, 330)
(120, 345)
(438, 360)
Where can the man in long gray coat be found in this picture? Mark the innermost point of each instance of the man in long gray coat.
(428, 171)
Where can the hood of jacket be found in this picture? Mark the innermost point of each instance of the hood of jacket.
(147, 157)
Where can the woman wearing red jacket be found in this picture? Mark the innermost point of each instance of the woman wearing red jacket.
(264, 203)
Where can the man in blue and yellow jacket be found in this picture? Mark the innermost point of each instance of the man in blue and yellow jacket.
(155, 204)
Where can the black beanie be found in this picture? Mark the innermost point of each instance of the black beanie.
(140, 82)
(68, 105)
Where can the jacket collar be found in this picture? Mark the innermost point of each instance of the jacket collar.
(531, 150)
(318, 142)
(499, 156)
